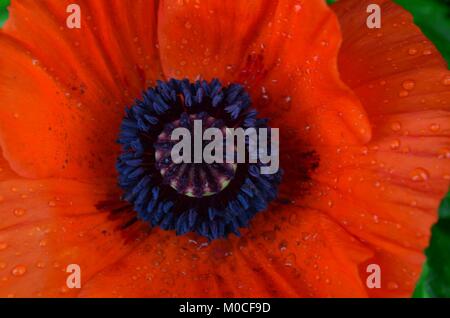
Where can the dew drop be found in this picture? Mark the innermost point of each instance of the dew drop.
(2, 265)
(365, 151)
(3, 246)
(403, 93)
(19, 212)
(408, 85)
(19, 270)
(395, 144)
(290, 260)
(376, 219)
(392, 285)
(446, 80)
(283, 246)
(434, 127)
(444, 153)
(412, 51)
(40, 264)
(396, 126)
(419, 174)
(51, 204)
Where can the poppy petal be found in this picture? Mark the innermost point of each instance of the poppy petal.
(46, 225)
(386, 193)
(260, 264)
(284, 52)
(6, 172)
(54, 80)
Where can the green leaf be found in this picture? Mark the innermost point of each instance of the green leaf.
(435, 279)
(3, 11)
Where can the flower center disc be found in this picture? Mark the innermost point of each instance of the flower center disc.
(190, 177)
(175, 167)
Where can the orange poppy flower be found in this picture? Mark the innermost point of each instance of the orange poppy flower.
(364, 147)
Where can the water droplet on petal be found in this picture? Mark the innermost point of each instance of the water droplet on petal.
(419, 174)
(395, 144)
(434, 127)
(283, 246)
(396, 126)
(444, 153)
(376, 219)
(290, 260)
(403, 93)
(51, 204)
(19, 270)
(412, 51)
(392, 285)
(365, 151)
(19, 212)
(409, 85)
(40, 264)
(446, 80)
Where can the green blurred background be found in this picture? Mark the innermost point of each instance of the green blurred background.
(433, 17)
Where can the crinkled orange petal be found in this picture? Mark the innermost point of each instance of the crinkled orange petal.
(281, 256)
(177, 266)
(6, 172)
(232, 268)
(63, 91)
(386, 193)
(284, 52)
(368, 203)
(46, 225)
